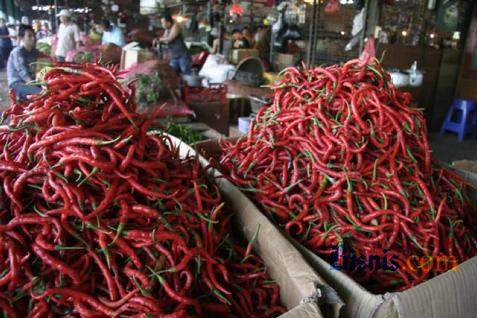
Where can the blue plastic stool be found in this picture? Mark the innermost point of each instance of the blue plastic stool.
(464, 109)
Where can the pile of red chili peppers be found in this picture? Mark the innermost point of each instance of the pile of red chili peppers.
(340, 159)
(102, 218)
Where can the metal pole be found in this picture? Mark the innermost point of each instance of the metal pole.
(363, 34)
(315, 31)
(311, 35)
(222, 29)
(55, 18)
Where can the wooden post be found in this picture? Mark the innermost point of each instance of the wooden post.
(311, 36)
(222, 29)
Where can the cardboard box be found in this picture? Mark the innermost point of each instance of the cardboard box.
(301, 288)
(132, 54)
(448, 295)
(238, 55)
(451, 294)
(468, 169)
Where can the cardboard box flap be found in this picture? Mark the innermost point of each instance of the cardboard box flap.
(304, 311)
(298, 281)
(467, 165)
(451, 294)
(360, 302)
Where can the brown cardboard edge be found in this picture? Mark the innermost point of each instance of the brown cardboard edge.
(297, 280)
(303, 311)
(467, 165)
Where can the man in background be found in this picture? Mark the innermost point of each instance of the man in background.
(6, 45)
(247, 34)
(68, 36)
(20, 68)
(111, 34)
(180, 57)
(36, 26)
(262, 44)
(44, 31)
(239, 41)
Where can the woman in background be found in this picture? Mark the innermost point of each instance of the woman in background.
(6, 45)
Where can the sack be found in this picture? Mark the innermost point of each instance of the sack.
(111, 53)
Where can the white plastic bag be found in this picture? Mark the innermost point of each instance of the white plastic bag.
(215, 70)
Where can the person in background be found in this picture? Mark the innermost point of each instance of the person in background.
(20, 69)
(36, 26)
(262, 44)
(68, 35)
(239, 41)
(247, 34)
(111, 34)
(214, 33)
(180, 57)
(44, 31)
(6, 45)
(13, 31)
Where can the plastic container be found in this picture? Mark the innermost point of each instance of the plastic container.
(243, 124)
(416, 79)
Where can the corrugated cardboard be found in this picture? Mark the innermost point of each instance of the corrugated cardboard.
(301, 288)
(467, 169)
(467, 165)
(448, 295)
(452, 294)
(132, 54)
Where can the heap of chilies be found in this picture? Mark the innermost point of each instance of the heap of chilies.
(340, 159)
(100, 217)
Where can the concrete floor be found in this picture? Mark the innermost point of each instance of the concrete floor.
(445, 148)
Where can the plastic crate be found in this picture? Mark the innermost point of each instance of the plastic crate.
(216, 93)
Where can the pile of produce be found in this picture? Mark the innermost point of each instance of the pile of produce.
(44, 48)
(100, 217)
(151, 89)
(340, 159)
(163, 70)
(83, 57)
(184, 133)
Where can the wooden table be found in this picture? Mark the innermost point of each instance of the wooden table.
(237, 90)
(237, 98)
